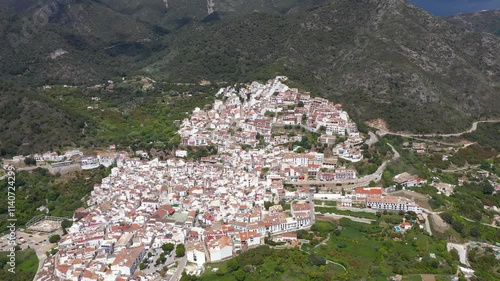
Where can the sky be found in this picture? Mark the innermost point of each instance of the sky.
(452, 7)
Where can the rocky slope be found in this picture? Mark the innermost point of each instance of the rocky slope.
(486, 21)
(381, 58)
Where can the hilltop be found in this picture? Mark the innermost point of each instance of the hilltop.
(485, 21)
(382, 59)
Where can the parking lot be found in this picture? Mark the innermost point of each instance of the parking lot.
(38, 242)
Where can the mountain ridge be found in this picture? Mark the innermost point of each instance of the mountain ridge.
(377, 51)
(484, 21)
(381, 59)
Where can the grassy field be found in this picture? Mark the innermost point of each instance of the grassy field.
(412, 278)
(370, 250)
(366, 250)
(26, 266)
(130, 115)
(320, 203)
(334, 210)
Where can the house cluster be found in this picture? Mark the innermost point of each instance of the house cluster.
(419, 147)
(246, 117)
(69, 157)
(406, 180)
(215, 207)
(373, 197)
(104, 158)
(249, 115)
(50, 156)
(445, 188)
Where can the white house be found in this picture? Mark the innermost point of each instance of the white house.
(391, 203)
(250, 238)
(221, 248)
(195, 253)
(127, 261)
(181, 153)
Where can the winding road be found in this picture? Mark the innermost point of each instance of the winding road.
(353, 183)
(382, 132)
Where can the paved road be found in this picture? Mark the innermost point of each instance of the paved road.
(382, 132)
(336, 263)
(353, 183)
(490, 225)
(461, 169)
(427, 223)
(462, 251)
(372, 140)
(178, 273)
(327, 261)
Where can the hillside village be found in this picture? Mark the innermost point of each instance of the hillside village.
(224, 203)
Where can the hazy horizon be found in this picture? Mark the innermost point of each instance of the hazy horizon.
(452, 7)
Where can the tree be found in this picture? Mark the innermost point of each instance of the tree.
(239, 275)
(458, 226)
(372, 184)
(232, 265)
(475, 232)
(317, 260)
(54, 251)
(167, 247)
(142, 266)
(447, 217)
(454, 254)
(29, 161)
(268, 204)
(488, 188)
(54, 238)
(66, 224)
(180, 250)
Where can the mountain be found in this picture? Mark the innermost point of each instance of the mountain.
(80, 41)
(31, 123)
(73, 42)
(382, 59)
(485, 21)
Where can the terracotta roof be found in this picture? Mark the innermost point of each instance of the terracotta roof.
(369, 190)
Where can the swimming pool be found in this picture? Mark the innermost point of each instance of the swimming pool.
(398, 228)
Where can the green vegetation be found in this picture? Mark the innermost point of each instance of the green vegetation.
(32, 123)
(467, 215)
(131, 116)
(39, 188)
(472, 154)
(324, 202)
(26, 266)
(196, 153)
(55, 238)
(486, 135)
(485, 264)
(370, 249)
(364, 249)
(334, 210)
(373, 157)
(264, 263)
(127, 116)
(168, 247)
(180, 250)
